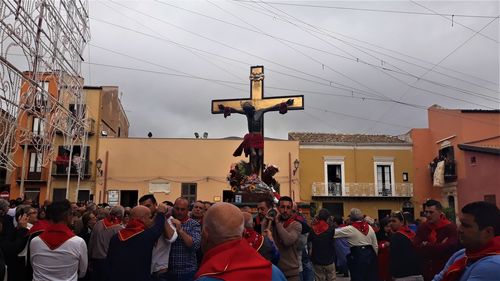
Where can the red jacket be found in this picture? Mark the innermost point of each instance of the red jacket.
(434, 255)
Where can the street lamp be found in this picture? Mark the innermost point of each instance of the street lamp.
(296, 165)
(98, 165)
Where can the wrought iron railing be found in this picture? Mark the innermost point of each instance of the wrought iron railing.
(362, 189)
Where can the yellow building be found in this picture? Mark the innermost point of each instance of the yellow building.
(169, 168)
(105, 118)
(370, 172)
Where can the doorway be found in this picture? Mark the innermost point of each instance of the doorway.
(336, 209)
(128, 198)
(58, 194)
(383, 213)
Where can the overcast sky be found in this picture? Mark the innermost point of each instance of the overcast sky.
(364, 67)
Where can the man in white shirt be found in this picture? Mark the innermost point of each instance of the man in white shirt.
(362, 261)
(161, 251)
(58, 254)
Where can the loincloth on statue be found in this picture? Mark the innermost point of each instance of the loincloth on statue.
(251, 140)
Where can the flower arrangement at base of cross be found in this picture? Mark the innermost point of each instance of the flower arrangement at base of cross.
(241, 179)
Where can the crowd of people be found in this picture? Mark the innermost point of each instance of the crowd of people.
(184, 240)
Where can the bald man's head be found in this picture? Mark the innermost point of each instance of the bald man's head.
(222, 222)
(248, 220)
(141, 213)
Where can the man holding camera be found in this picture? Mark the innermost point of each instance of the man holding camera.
(286, 232)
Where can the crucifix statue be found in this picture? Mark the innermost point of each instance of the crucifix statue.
(254, 109)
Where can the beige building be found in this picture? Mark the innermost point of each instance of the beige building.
(371, 172)
(106, 118)
(169, 168)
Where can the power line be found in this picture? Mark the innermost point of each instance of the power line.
(372, 10)
(390, 50)
(454, 21)
(405, 83)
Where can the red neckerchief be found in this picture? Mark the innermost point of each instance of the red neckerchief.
(443, 221)
(362, 226)
(39, 226)
(133, 228)
(456, 270)
(110, 221)
(55, 235)
(289, 221)
(234, 260)
(254, 239)
(406, 231)
(320, 226)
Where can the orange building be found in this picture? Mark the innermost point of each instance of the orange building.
(193, 168)
(34, 135)
(449, 128)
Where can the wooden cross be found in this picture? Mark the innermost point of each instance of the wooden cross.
(259, 103)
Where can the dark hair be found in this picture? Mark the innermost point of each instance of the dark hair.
(485, 214)
(432, 202)
(168, 203)
(86, 218)
(59, 210)
(285, 198)
(268, 202)
(146, 197)
(323, 214)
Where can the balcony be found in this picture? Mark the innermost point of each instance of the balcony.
(61, 170)
(39, 176)
(450, 170)
(361, 190)
(88, 128)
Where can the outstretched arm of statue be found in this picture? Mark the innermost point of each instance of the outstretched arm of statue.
(228, 110)
(282, 107)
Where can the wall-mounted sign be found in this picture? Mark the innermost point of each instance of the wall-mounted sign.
(113, 197)
(158, 186)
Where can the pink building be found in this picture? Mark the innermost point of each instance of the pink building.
(456, 181)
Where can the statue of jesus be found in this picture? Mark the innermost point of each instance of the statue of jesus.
(253, 142)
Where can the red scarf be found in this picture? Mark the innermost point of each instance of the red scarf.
(456, 270)
(55, 235)
(254, 239)
(443, 221)
(133, 228)
(234, 260)
(110, 221)
(406, 231)
(289, 221)
(320, 226)
(39, 226)
(362, 226)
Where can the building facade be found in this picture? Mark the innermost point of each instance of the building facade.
(370, 172)
(481, 181)
(447, 129)
(105, 118)
(170, 168)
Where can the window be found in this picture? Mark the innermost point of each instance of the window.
(83, 195)
(473, 160)
(58, 194)
(78, 109)
(35, 162)
(37, 126)
(384, 176)
(189, 191)
(334, 176)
